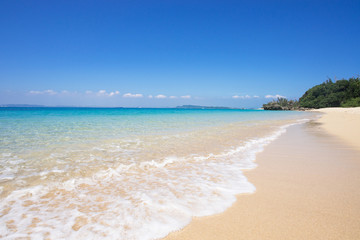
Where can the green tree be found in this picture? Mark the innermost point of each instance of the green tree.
(332, 94)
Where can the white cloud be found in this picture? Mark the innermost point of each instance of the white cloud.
(130, 95)
(150, 96)
(35, 92)
(255, 96)
(160, 96)
(186, 97)
(274, 96)
(104, 93)
(66, 92)
(173, 97)
(101, 92)
(113, 93)
(49, 92)
(241, 97)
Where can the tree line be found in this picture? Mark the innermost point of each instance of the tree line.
(341, 93)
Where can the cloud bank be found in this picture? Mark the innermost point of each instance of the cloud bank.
(244, 96)
(47, 92)
(160, 96)
(186, 97)
(130, 95)
(110, 94)
(275, 96)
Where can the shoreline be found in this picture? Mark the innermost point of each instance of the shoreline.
(306, 187)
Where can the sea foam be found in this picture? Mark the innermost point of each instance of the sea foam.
(133, 201)
(124, 173)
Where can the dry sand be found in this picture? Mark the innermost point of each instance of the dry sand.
(344, 123)
(307, 187)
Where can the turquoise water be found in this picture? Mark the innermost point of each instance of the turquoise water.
(90, 173)
(19, 127)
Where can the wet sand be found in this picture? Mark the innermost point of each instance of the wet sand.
(307, 187)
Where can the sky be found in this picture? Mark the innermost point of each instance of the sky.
(130, 53)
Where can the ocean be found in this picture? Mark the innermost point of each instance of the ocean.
(117, 173)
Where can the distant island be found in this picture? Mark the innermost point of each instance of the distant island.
(202, 107)
(342, 93)
(43, 106)
(21, 105)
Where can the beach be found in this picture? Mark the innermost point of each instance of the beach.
(103, 173)
(80, 173)
(306, 183)
(343, 123)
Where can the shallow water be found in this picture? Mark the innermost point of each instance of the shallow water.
(84, 173)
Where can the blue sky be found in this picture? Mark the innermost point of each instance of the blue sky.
(169, 53)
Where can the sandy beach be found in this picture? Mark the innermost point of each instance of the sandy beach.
(307, 187)
(343, 123)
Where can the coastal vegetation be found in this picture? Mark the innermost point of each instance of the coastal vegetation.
(282, 104)
(341, 93)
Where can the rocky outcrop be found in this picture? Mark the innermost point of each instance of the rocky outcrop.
(272, 106)
(283, 104)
